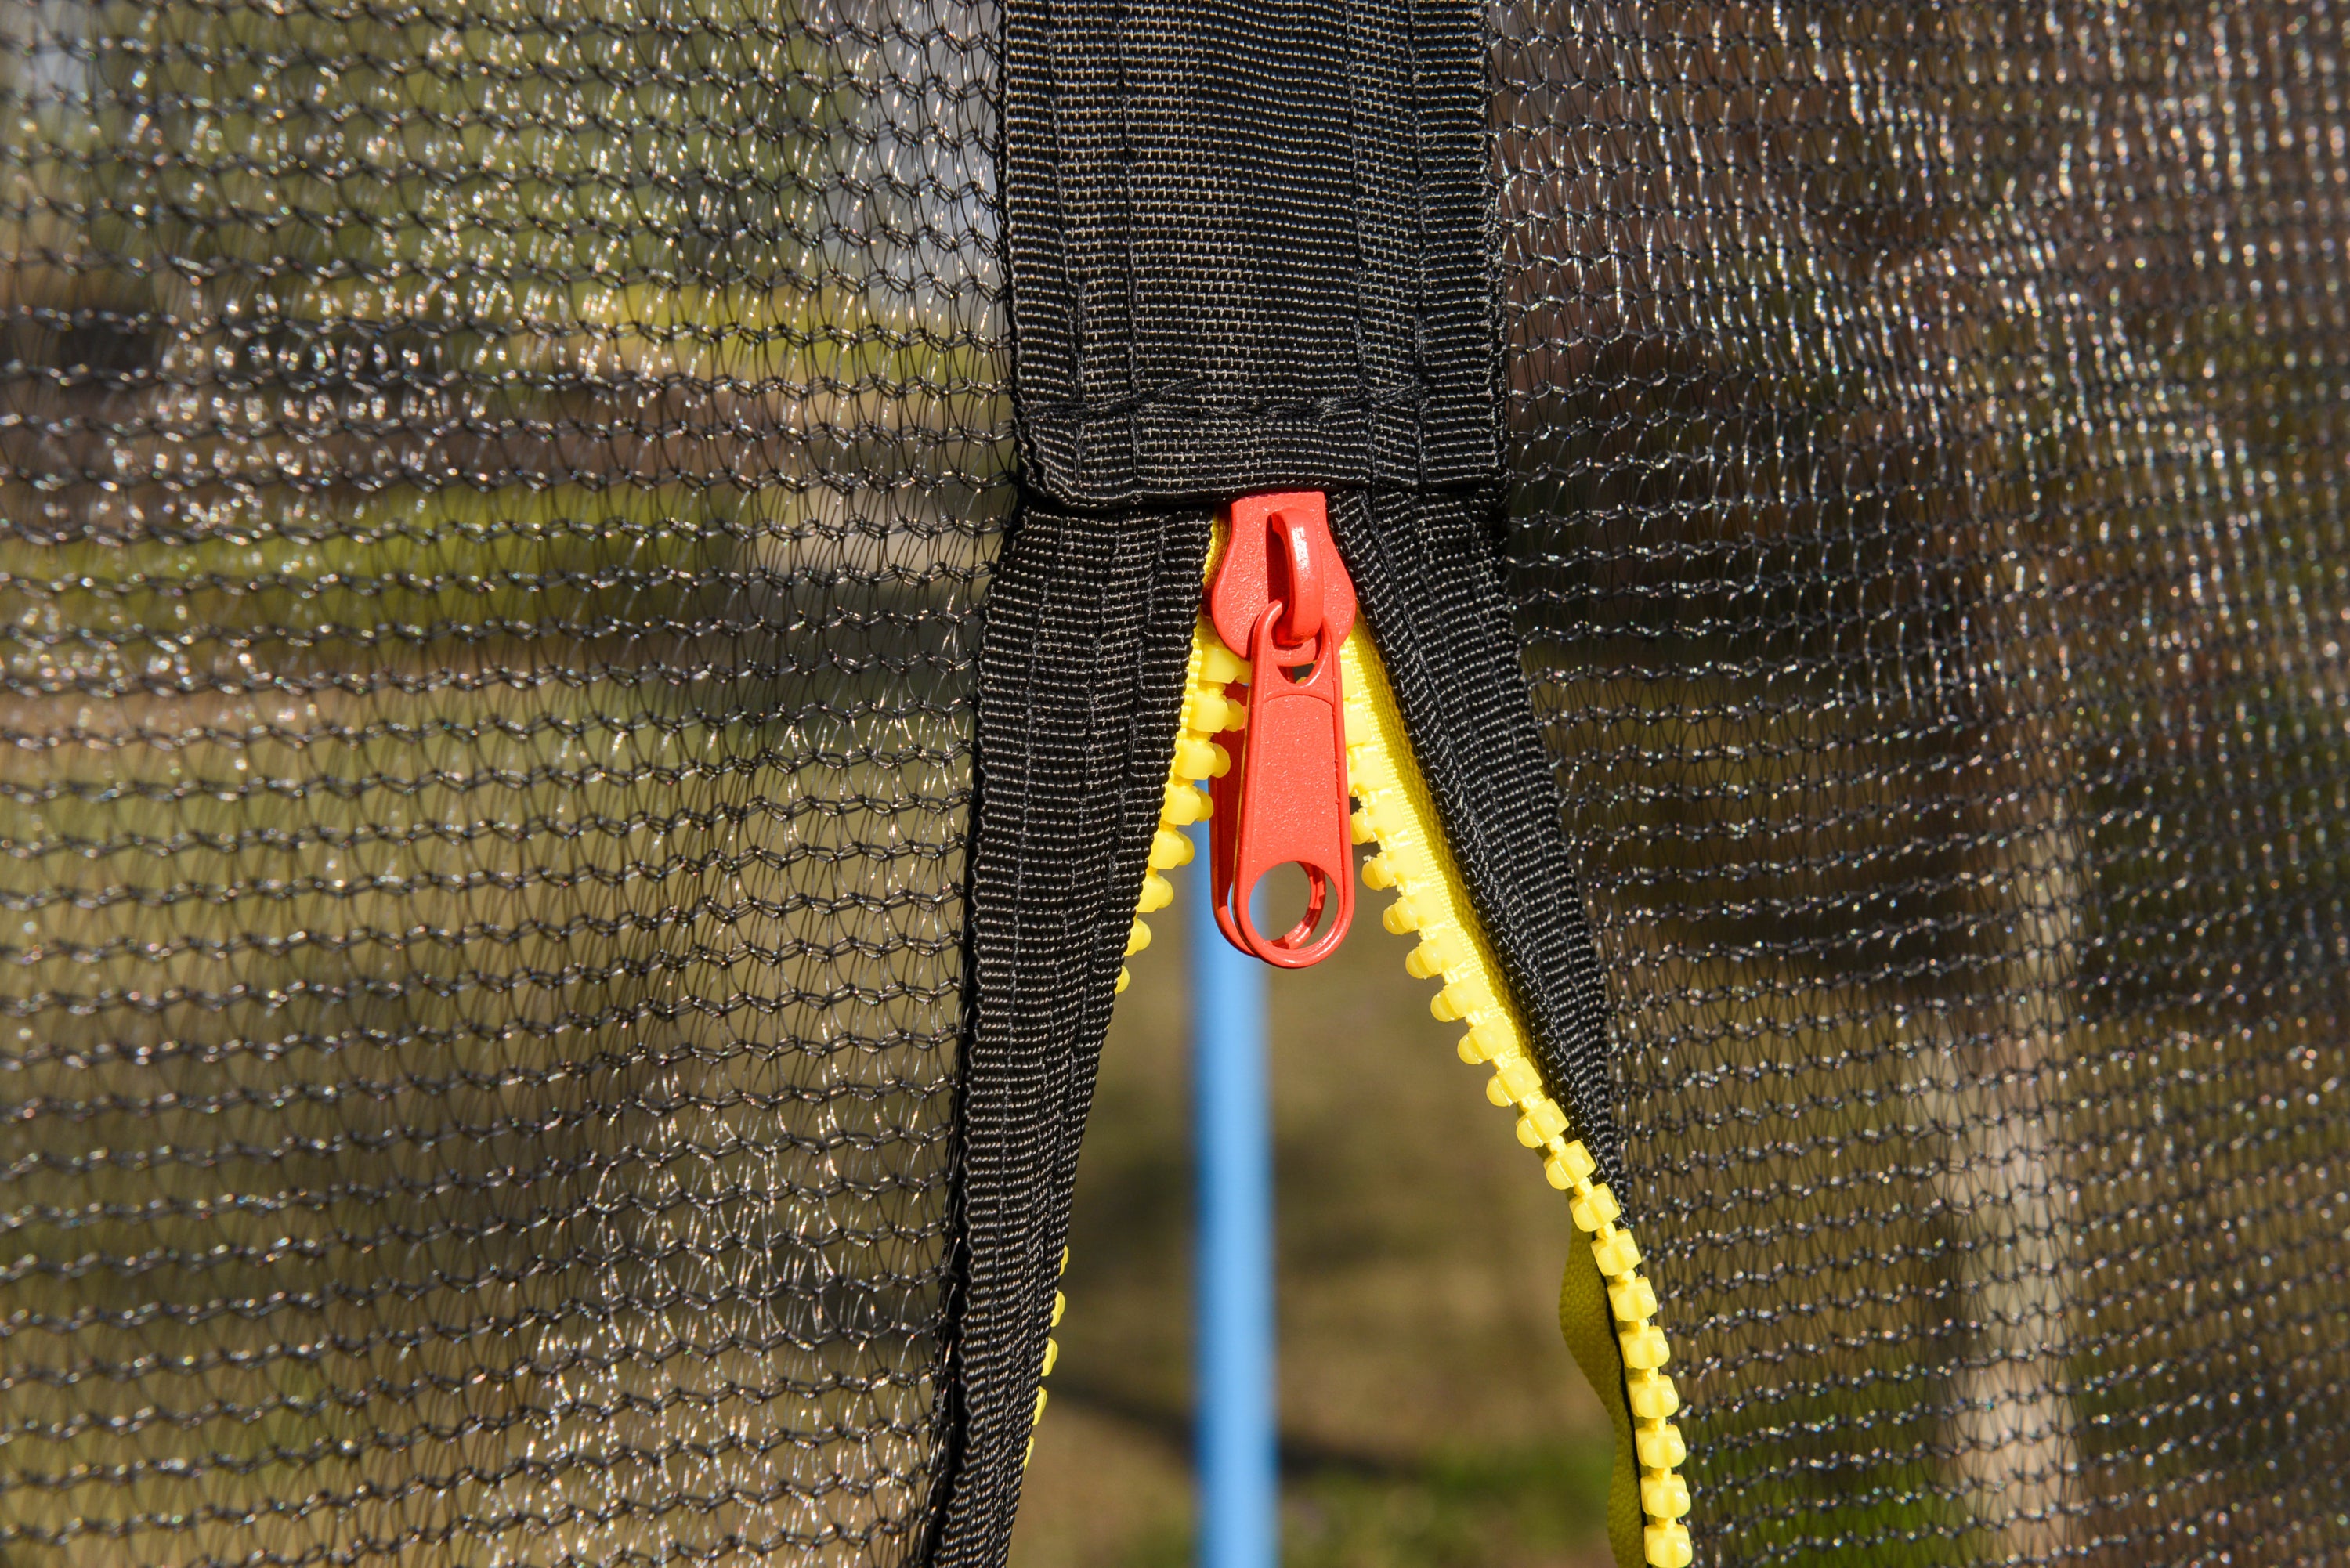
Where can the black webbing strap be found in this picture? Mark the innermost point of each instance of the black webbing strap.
(1080, 685)
(1426, 572)
(1248, 250)
(1247, 242)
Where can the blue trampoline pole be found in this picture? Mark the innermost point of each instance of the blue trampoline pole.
(1240, 1484)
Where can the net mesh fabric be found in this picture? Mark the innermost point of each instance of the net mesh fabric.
(1929, 534)
(492, 497)
(492, 501)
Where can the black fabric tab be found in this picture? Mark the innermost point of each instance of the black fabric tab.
(1248, 246)
(1080, 688)
(1429, 577)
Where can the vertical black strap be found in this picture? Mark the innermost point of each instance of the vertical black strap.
(1426, 570)
(1247, 242)
(1080, 686)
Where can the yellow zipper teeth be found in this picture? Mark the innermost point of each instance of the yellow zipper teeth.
(1395, 812)
(1206, 711)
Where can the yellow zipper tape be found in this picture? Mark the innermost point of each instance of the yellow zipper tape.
(1395, 811)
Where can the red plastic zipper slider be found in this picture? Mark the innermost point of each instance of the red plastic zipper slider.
(1283, 599)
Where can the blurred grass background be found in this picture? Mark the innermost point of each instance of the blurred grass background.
(1430, 1416)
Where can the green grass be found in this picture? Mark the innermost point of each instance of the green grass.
(1464, 1507)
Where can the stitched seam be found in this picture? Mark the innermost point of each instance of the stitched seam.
(1362, 201)
(1389, 396)
(1127, 404)
(1126, 248)
(1417, 326)
(1060, 201)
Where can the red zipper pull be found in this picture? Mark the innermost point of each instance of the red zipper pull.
(1281, 597)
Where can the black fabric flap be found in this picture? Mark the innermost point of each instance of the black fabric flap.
(1248, 248)
(1080, 690)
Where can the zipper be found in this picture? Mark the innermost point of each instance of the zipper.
(1396, 814)
(1281, 594)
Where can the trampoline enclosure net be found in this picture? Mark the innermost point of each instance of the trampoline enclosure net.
(494, 502)
(1930, 537)
(495, 496)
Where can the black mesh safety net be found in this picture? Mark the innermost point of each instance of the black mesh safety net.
(492, 501)
(1930, 537)
(498, 500)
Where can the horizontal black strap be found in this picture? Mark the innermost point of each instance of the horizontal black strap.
(1248, 248)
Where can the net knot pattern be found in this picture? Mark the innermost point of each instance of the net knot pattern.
(1927, 540)
(494, 497)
